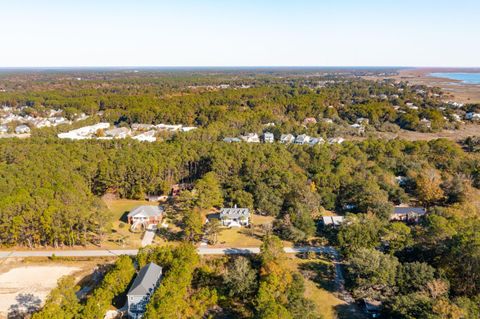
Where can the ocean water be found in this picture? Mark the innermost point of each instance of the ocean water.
(467, 78)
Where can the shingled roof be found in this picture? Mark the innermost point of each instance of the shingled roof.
(234, 212)
(147, 210)
(409, 210)
(146, 280)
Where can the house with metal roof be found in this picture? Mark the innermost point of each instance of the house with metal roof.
(232, 140)
(407, 214)
(118, 132)
(235, 217)
(316, 140)
(142, 289)
(287, 138)
(333, 220)
(145, 215)
(302, 139)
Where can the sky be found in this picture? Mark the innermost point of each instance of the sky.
(60, 33)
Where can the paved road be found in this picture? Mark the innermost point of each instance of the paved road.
(118, 252)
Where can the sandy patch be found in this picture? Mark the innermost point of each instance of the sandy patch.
(27, 287)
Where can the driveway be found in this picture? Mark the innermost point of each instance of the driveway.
(149, 235)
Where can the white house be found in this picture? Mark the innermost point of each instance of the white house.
(316, 140)
(232, 140)
(251, 138)
(287, 138)
(118, 132)
(169, 127)
(302, 139)
(142, 289)
(336, 140)
(188, 128)
(142, 127)
(268, 137)
(235, 217)
(407, 214)
(22, 129)
(146, 137)
(3, 129)
(472, 116)
(333, 220)
(85, 132)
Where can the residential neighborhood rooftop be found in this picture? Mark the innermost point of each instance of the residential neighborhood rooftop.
(146, 280)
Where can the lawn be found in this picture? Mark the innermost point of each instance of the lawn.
(121, 236)
(245, 237)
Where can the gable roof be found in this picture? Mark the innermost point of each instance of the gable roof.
(333, 220)
(234, 212)
(147, 210)
(409, 210)
(146, 280)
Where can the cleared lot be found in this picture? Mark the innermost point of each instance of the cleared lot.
(26, 287)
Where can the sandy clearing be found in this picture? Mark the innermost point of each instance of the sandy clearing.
(28, 286)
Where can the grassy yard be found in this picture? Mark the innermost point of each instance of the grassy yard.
(245, 237)
(121, 237)
(319, 287)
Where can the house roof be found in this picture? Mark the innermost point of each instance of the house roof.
(333, 220)
(409, 210)
(287, 137)
(146, 210)
(302, 138)
(146, 280)
(268, 135)
(117, 131)
(234, 212)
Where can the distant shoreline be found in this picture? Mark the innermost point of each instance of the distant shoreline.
(459, 91)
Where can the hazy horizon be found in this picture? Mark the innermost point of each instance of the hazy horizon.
(214, 33)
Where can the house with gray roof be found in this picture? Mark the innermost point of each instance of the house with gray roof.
(145, 215)
(302, 139)
(118, 132)
(142, 289)
(22, 129)
(407, 214)
(235, 217)
(287, 138)
(316, 140)
(232, 140)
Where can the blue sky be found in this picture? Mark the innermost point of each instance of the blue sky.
(239, 33)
